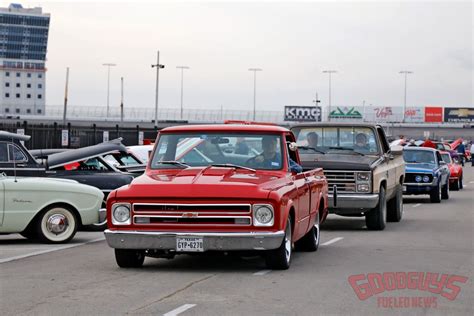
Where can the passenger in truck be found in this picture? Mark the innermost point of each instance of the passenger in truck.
(312, 139)
(361, 143)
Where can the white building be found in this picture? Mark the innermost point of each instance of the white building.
(23, 45)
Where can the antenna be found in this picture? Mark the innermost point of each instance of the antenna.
(14, 162)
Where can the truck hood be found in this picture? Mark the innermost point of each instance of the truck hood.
(333, 161)
(192, 183)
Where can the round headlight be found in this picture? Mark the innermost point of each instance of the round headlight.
(418, 178)
(263, 215)
(426, 179)
(121, 213)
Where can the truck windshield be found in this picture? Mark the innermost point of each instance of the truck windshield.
(328, 139)
(256, 151)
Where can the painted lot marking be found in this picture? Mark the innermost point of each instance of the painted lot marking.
(179, 310)
(329, 242)
(263, 272)
(471, 181)
(416, 205)
(35, 253)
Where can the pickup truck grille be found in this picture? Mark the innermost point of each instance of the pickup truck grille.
(192, 214)
(345, 181)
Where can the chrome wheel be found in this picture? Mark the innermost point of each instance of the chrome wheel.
(316, 230)
(57, 225)
(288, 243)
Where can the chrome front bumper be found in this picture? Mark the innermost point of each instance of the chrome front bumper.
(351, 202)
(122, 239)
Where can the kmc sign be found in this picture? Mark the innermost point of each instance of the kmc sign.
(302, 113)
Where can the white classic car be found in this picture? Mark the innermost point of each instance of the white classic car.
(48, 209)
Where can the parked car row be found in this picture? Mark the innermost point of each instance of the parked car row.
(243, 187)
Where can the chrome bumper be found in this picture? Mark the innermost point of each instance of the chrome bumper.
(352, 201)
(102, 215)
(211, 241)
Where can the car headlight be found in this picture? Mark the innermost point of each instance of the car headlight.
(121, 214)
(362, 188)
(426, 179)
(418, 178)
(263, 215)
(363, 176)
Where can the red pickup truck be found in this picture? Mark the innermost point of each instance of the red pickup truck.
(227, 187)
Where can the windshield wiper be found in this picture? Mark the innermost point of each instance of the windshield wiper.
(230, 165)
(312, 148)
(175, 163)
(347, 148)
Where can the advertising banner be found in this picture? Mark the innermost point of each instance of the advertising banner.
(302, 113)
(433, 114)
(140, 137)
(345, 112)
(414, 115)
(459, 115)
(384, 114)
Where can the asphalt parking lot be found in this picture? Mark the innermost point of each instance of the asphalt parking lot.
(81, 278)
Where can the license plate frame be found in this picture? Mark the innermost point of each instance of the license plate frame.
(190, 244)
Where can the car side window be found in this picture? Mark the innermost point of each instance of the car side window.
(3, 152)
(15, 154)
(438, 157)
(383, 140)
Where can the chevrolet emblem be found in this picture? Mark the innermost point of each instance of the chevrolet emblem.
(190, 215)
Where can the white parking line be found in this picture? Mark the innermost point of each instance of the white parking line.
(332, 241)
(263, 272)
(471, 181)
(49, 250)
(416, 205)
(179, 310)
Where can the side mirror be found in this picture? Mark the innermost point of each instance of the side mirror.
(292, 146)
(396, 150)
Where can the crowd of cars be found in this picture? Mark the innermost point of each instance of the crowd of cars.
(241, 187)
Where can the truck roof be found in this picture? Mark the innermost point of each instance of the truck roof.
(227, 128)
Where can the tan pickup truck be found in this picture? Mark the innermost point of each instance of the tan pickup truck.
(365, 175)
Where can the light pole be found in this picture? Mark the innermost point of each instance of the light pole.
(406, 73)
(254, 89)
(108, 65)
(158, 67)
(182, 71)
(329, 72)
(65, 96)
(121, 99)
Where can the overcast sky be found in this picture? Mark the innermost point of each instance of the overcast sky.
(368, 43)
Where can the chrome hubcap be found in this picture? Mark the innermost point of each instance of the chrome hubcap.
(57, 224)
(316, 227)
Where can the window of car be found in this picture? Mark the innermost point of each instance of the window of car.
(11, 153)
(419, 157)
(446, 158)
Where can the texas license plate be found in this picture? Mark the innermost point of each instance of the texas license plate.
(189, 244)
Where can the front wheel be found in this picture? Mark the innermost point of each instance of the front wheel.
(375, 219)
(460, 182)
(56, 225)
(280, 258)
(445, 191)
(395, 206)
(435, 194)
(129, 258)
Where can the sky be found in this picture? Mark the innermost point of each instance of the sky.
(367, 43)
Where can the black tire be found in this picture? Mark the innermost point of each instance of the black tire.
(460, 182)
(375, 219)
(454, 186)
(445, 191)
(310, 241)
(395, 206)
(56, 224)
(435, 194)
(129, 258)
(280, 258)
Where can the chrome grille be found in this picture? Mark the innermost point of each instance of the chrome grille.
(345, 181)
(192, 214)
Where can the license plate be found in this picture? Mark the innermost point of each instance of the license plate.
(404, 188)
(189, 244)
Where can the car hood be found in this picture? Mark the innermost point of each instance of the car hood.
(333, 161)
(419, 167)
(202, 183)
